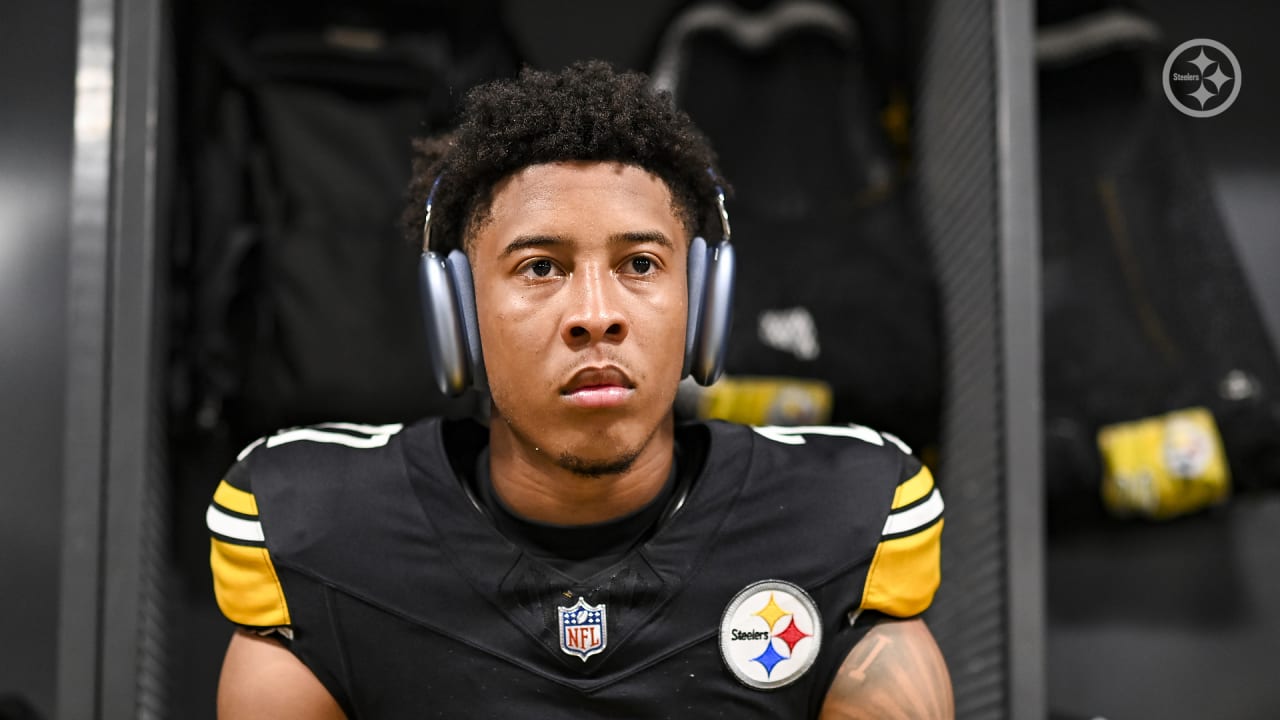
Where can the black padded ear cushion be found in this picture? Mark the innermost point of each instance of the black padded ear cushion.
(446, 344)
(717, 315)
(697, 289)
(460, 272)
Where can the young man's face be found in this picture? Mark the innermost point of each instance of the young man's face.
(581, 292)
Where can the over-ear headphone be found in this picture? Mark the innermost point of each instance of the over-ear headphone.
(711, 272)
(453, 334)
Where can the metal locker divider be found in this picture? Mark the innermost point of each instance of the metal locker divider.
(111, 630)
(976, 150)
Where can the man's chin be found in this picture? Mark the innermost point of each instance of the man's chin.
(605, 445)
(597, 467)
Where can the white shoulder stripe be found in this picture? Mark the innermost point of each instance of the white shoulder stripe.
(915, 517)
(233, 527)
(794, 435)
(335, 438)
(391, 429)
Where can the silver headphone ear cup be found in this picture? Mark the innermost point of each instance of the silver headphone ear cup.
(697, 290)
(460, 272)
(446, 344)
(717, 315)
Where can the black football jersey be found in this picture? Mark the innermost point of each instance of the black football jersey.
(364, 547)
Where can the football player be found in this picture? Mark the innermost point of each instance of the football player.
(581, 554)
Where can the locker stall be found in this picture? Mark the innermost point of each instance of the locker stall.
(138, 634)
(1172, 618)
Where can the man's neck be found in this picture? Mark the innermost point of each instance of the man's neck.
(533, 484)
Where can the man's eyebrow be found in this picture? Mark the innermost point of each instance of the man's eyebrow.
(644, 236)
(532, 241)
(523, 242)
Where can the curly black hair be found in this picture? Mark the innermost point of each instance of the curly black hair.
(585, 112)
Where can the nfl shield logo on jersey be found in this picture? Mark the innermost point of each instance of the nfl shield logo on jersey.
(582, 629)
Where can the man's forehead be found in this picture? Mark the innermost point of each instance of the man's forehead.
(588, 192)
(578, 174)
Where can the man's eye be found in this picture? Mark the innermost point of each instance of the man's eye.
(641, 265)
(540, 268)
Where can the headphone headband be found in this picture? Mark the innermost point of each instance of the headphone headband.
(426, 220)
(723, 213)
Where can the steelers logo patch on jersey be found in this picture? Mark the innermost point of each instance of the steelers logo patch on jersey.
(770, 634)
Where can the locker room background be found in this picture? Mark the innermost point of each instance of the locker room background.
(1141, 620)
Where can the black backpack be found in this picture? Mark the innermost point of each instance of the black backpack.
(300, 292)
(1146, 310)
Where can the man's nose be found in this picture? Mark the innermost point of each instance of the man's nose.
(597, 309)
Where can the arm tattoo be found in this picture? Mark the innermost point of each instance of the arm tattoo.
(896, 672)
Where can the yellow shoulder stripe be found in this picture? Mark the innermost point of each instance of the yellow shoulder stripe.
(905, 573)
(235, 499)
(913, 490)
(246, 585)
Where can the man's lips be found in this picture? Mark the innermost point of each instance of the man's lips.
(598, 387)
(597, 377)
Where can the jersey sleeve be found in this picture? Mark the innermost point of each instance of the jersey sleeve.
(244, 577)
(905, 571)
